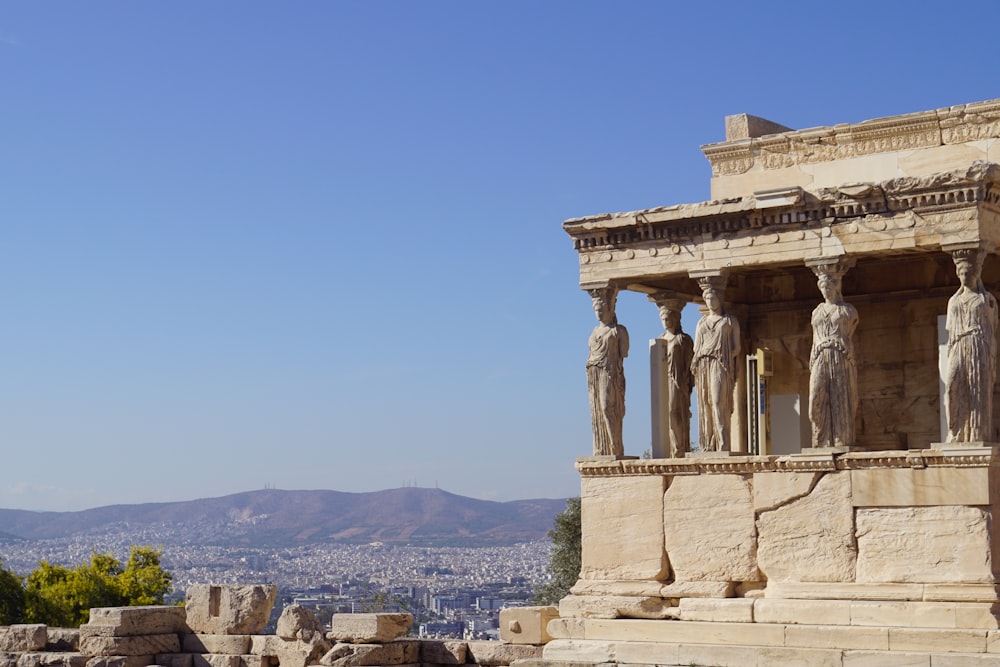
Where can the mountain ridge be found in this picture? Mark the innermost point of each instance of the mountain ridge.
(407, 515)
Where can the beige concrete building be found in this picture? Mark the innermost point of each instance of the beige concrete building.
(859, 535)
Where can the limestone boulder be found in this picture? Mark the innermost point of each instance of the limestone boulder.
(47, 659)
(222, 644)
(23, 637)
(622, 528)
(443, 652)
(130, 646)
(288, 652)
(62, 639)
(298, 622)
(492, 654)
(946, 544)
(401, 652)
(369, 628)
(229, 610)
(810, 538)
(136, 621)
(709, 528)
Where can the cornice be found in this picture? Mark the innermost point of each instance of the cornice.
(978, 185)
(951, 125)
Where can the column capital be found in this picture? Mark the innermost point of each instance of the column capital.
(669, 299)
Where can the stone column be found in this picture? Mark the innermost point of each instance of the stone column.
(972, 352)
(716, 365)
(606, 374)
(833, 370)
(671, 381)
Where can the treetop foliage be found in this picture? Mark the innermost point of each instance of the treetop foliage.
(62, 597)
(564, 561)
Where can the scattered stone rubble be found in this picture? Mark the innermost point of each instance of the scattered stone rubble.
(221, 626)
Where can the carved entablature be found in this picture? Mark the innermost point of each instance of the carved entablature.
(897, 215)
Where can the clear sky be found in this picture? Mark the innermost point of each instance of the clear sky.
(318, 244)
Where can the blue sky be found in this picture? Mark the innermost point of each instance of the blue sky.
(318, 244)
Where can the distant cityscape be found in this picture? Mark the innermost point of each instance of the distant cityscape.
(451, 591)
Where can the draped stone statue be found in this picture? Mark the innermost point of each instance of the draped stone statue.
(833, 371)
(678, 356)
(715, 365)
(972, 351)
(606, 374)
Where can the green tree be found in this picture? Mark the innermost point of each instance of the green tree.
(59, 596)
(564, 561)
(11, 597)
(144, 581)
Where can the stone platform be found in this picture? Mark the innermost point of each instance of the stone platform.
(729, 644)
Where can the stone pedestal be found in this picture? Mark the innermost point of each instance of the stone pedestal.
(857, 558)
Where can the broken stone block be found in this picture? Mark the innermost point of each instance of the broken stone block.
(23, 637)
(443, 652)
(174, 659)
(130, 646)
(120, 661)
(63, 639)
(526, 625)
(219, 660)
(774, 489)
(289, 652)
(810, 538)
(949, 544)
(369, 628)
(230, 644)
(229, 610)
(133, 621)
(492, 654)
(709, 528)
(366, 655)
(52, 660)
(297, 622)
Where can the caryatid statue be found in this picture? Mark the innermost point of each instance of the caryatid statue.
(606, 374)
(833, 371)
(677, 359)
(715, 366)
(972, 352)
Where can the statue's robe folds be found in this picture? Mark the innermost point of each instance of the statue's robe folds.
(833, 375)
(606, 383)
(972, 327)
(716, 346)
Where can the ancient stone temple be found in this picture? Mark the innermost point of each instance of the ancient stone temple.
(835, 507)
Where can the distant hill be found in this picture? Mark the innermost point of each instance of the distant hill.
(410, 515)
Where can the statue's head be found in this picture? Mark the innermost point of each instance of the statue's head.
(968, 265)
(670, 314)
(604, 299)
(711, 291)
(829, 278)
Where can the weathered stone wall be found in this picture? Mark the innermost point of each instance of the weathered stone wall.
(892, 525)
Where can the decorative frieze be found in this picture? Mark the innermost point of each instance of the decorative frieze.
(983, 457)
(953, 125)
